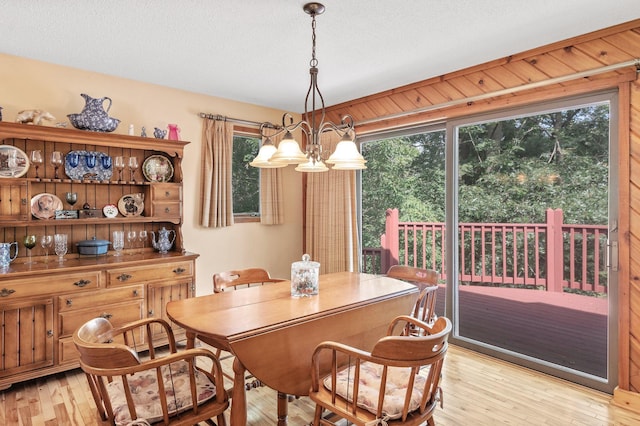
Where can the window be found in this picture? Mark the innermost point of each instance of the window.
(245, 179)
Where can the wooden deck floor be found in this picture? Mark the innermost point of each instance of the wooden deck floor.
(562, 328)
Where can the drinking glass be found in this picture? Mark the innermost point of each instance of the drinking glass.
(60, 246)
(29, 242)
(133, 166)
(90, 159)
(71, 198)
(106, 162)
(56, 162)
(12, 162)
(118, 242)
(36, 160)
(142, 235)
(119, 165)
(45, 243)
(131, 238)
(73, 158)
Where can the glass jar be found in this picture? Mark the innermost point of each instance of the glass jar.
(304, 277)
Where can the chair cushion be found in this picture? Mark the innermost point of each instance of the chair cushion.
(370, 377)
(144, 389)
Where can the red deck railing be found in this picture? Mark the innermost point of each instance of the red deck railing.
(552, 256)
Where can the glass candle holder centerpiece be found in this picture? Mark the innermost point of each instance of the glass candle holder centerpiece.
(304, 277)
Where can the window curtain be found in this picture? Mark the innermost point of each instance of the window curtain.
(217, 154)
(271, 201)
(331, 231)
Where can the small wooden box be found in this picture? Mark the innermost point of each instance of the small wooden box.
(90, 213)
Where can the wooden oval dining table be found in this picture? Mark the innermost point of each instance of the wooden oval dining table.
(273, 335)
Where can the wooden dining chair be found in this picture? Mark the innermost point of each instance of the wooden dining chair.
(397, 383)
(427, 281)
(238, 279)
(130, 389)
(241, 278)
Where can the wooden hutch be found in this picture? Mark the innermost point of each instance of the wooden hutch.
(42, 303)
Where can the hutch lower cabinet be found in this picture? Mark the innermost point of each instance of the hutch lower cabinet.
(45, 298)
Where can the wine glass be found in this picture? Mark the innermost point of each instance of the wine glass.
(118, 242)
(105, 160)
(131, 238)
(73, 158)
(12, 162)
(60, 246)
(29, 242)
(45, 243)
(133, 166)
(36, 160)
(90, 159)
(56, 162)
(119, 165)
(71, 198)
(142, 235)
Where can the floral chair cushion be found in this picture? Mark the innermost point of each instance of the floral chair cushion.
(370, 377)
(144, 389)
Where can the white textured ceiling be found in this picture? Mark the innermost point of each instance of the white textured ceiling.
(258, 51)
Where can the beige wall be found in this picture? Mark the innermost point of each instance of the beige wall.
(28, 84)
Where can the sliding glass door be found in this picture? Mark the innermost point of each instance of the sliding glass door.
(531, 215)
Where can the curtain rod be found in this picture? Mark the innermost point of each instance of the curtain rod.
(235, 120)
(555, 80)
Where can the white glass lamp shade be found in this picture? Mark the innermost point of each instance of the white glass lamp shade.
(346, 156)
(312, 167)
(263, 159)
(289, 151)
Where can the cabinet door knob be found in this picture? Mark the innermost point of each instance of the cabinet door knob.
(179, 270)
(106, 315)
(124, 277)
(167, 210)
(135, 292)
(82, 283)
(6, 292)
(69, 302)
(49, 333)
(151, 312)
(167, 194)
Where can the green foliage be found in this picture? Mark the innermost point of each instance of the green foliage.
(245, 179)
(510, 171)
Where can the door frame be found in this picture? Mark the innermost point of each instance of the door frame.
(452, 238)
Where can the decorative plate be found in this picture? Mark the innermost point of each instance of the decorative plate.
(90, 165)
(44, 206)
(131, 205)
(157, 168)
(110, 210)
(13, 161)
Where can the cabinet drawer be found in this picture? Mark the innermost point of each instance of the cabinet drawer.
(117, 314)
(162, 192)
(83, 300)
(118, 277)
(166, 210)
(67, 351)
(28, 287)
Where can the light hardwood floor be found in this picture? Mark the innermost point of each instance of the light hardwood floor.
(478, 391)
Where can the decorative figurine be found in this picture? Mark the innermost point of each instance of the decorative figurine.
(174, 132)
(143, 133)
(34, 116)
(131, 130)
(159, 133)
